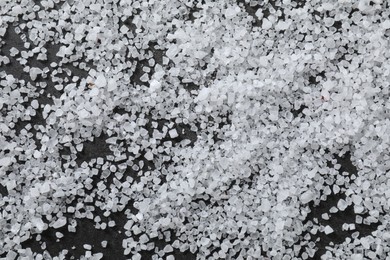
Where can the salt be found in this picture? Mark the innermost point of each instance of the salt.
(60, 222)
(328, 230)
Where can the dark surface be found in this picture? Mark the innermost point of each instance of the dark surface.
(86, 232)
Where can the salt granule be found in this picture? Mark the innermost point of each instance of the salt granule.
(236, 83)
(100, 81)
(59, 222)
(5, 161)
(173, 133)
(149, 156)
(328, 230)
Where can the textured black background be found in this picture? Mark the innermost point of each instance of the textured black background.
(86, 232)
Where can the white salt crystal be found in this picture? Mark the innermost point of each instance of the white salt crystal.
(112, 85)
(266, 24)
(325, 216)
(279, 225)
(11, 185)
(38, 223)
(59, 222)
(13, 51)
(104, 243)
(265, 205)
(34, 192)
(357, 257)
(143, 239)
(149, 156)
(168, 249)
(205, 241)
(87, 246)
(366, 185)
(144, 77)
(124, 29)
(386, 24)
(37, 154)
(97, 256)
(34, 104)
(173, 133)
(342, 204)
(59, 112)
(45, 187)
(83, 113)
(59, 235)
(154, 85)
(263, 60)
(136, 256)
(328, 230)
(34, 72)
(17, 10)
(259, 14)
(94, 92)
(282, 25)
(100, 81)
(365, 242)
(327, 6)
(170, 257)
(165, 221)
(203, 94)
(11, 255)
(172, 51)
(231, 12)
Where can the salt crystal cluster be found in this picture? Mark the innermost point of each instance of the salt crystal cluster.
(223, 122)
